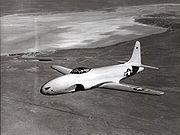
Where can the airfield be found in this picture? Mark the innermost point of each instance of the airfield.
(24, 111)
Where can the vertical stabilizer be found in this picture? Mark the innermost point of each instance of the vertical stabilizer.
(135, 59)
(136, 55)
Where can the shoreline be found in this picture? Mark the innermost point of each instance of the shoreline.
(36, 53)
(39, 53)
(43, 54)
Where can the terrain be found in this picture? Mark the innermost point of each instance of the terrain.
(101, 112)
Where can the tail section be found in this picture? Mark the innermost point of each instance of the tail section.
(135, 59)
(136, 55)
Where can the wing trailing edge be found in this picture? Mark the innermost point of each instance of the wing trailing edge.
(131, 88)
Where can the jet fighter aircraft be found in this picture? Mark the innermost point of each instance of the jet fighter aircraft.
(109, 77)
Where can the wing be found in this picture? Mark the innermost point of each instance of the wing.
(61, 69)
(131, 88)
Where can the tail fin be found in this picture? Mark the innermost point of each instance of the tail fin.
(135, 59)
(136, 55)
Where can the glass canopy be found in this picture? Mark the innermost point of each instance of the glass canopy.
(80, 70)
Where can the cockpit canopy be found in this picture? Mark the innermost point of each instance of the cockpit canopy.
(80, 70)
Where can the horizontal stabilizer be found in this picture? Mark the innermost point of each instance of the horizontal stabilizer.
(141, 65)
(135, 59)
(146, 66)
(121, 61)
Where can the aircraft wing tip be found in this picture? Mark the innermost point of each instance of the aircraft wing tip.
(160, 93)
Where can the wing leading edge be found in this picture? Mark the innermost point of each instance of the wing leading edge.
(61, 69)
(131, 88)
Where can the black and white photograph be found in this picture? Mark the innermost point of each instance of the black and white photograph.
(90, 67)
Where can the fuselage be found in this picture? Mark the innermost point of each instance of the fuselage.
(91, 79)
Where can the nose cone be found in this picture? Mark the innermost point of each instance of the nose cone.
(42, 90)
(60, 85)
(45, 89)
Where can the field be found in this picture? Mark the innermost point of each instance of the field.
(24, 111)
